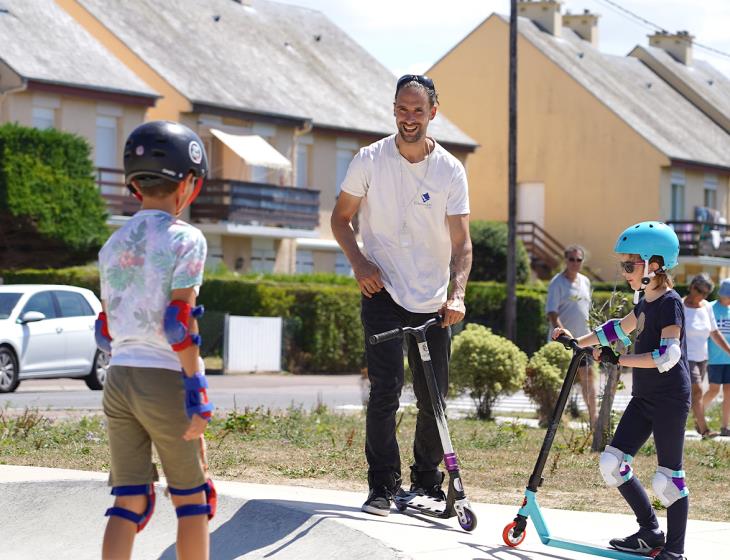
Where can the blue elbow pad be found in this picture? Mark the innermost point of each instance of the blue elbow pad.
(101, 334)
(176, 322)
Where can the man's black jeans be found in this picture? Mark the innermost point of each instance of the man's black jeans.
(385, 371)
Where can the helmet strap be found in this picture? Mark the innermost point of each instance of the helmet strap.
(645, 281)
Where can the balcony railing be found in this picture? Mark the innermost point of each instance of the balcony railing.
(702, 238)
(119, 201)
(242, 202)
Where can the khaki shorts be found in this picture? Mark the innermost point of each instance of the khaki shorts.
(697, 371)
(145, 406)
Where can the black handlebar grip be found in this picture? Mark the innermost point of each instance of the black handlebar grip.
(566, 341)
(384, 336)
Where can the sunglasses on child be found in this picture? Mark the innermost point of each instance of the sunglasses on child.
(629, 266)
(575, 259)
(425, 81)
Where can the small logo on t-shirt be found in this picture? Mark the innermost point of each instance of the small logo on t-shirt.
(425, 200)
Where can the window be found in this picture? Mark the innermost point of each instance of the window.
(73, 304)
(41, 302)
(7, 303)
(263, 255)
(305, 262)
(302, 166)
(711, 191)
(344, 157)
(342, 265)
(106, 153)
(678, 183)
(43, 118)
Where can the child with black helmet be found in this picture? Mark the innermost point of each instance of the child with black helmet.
(150, 271)
(661, 389)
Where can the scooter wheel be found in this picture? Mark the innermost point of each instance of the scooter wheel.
(471, 520)
(508, 535)
(401, 507)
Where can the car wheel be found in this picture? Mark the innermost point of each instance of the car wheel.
(95, 380)
(9, 374)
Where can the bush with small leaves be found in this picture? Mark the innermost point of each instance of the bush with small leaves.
(487, 365)
(544, 376)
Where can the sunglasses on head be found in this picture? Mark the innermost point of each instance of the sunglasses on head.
(629, 266)
(575, 259)
(425, 81)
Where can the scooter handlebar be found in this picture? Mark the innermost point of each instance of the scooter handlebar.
(385, 336)
(569, 343)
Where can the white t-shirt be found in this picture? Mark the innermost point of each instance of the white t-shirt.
(699, 322)
(139, 265)
(403, 219)
(571, 301)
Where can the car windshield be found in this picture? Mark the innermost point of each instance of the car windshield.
(7, 303)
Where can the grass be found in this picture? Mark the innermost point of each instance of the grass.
(323, 449)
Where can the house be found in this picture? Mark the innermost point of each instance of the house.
(282, 99)
(53, 73)
(603, 141)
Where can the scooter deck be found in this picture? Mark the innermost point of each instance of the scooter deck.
(426, 505)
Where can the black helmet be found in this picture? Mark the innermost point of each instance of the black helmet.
(164, 149)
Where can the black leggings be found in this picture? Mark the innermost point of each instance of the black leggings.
(666, 419)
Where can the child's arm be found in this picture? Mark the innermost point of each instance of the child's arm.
(189, 360)
(648, 360)
(720, 340)
(628, 324)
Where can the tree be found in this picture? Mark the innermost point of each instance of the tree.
(489, 247)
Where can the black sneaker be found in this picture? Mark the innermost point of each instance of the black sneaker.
(432, 491)
(666, 555)
(644, 541)
(378, 502)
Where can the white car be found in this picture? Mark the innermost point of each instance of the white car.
(47, 331)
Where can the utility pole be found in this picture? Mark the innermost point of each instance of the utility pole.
(510, 315)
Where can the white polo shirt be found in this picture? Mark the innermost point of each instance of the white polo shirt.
(403, 219)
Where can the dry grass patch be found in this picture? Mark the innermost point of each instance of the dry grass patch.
(323, 449)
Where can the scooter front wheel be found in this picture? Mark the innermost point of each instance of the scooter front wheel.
(509, 537)
(471, 520)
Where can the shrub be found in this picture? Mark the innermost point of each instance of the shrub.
(489, 246)
(544, 376)
(51, 211)
(486, 365)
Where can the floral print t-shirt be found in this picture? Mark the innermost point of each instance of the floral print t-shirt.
(139, 265)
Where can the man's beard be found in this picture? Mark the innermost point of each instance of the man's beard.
(412, 137)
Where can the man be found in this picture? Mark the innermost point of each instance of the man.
(567, 307)
(414, 219)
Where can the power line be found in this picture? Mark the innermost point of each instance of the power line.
(647, 23)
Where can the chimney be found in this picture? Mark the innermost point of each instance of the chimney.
(585, 25)
(678, 45)
(544, 13)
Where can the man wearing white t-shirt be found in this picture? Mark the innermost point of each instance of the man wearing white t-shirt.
(413, 201)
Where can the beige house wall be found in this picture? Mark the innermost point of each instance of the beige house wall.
(75, 115)
(599, 174)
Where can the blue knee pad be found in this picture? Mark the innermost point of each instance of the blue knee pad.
(139, 519)
(211, 498)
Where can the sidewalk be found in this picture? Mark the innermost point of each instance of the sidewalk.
(58, 514)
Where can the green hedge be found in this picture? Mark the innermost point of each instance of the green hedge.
(46, 179)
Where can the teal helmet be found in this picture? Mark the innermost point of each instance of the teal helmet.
(648, 239)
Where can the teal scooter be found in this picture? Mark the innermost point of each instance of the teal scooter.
(514, 533)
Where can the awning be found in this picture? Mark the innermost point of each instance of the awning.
(253, 149)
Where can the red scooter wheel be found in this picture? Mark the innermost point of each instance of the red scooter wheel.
(509, 538)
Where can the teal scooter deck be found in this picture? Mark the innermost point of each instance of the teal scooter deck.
(514, 533)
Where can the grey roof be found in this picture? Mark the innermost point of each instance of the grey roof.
(638, 96)
(706, 80)
(270, 58)
(40, 41)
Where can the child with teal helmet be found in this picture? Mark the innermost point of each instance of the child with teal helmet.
(661, 388)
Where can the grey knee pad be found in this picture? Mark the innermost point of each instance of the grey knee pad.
(615, 466)
(669, 485)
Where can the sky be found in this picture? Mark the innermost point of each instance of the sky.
(409, 36)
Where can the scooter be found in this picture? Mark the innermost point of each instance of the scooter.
(514, 533)
(456, 503)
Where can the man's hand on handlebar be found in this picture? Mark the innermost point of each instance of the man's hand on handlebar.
(452, 311)
(368, 278)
